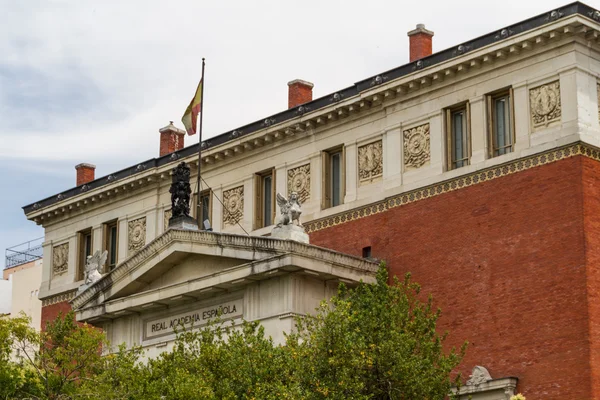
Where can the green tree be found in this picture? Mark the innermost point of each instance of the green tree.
(17, 379)
(51, 364)
(376, 341)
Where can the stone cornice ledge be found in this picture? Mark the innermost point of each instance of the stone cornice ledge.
(495, 389)
(277, 246)
(424, 77)
(459, 182)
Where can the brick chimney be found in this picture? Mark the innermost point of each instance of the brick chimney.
(299, 92)
(171, 139)
(420, 40)
(85, 173)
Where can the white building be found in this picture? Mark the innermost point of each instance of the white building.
(19, 291)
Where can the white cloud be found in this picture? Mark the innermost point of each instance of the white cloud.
(144, 59)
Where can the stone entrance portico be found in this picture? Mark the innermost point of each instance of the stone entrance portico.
(190, 276)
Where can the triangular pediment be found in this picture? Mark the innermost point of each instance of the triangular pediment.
(173, 257)
(180, 266)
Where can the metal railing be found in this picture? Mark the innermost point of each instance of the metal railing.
(24, 253)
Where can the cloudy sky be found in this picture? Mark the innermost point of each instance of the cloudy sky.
(89, 81)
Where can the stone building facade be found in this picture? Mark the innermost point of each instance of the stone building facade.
(475, 168)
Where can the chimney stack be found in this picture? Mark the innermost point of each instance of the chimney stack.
(299, 92)
(171, 139)
(85, 173)
(420, 40)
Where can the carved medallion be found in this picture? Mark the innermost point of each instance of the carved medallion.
(370, 161)
(416, 146)
(299, 182)
(166, 216)
(233, 200)
(545, 104)
(60, 259)
(136, 234)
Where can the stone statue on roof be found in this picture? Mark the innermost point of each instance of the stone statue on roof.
(180, 191)
(290, 209)
(93, 266)
(290, 212)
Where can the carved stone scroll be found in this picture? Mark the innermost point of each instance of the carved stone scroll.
(416, 147)
(299, 182)
(370, 162)
(60, 259)
(233, 200)
(136, 237)
(545, 104)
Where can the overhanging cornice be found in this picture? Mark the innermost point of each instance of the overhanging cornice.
(257, 248)
(575, 19)
(460, 182)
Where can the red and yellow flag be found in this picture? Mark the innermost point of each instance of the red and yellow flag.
(191, 113)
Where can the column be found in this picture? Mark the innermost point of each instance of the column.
(521, 115)
(393, 158)
(123, 238)
(478, 130)
(351, 171)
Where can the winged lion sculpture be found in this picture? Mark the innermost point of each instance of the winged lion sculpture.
(93, 265)
(290, 209)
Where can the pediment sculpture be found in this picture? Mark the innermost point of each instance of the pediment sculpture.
(93, 266)
(478, 376)
(180, 191)
(285, 228)
(290, 209)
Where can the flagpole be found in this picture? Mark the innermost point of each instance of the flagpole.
(200, 223)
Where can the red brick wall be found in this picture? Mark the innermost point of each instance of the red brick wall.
(505, 261)
(49, 313)
(591, 212)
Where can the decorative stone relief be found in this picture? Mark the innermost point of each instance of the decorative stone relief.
(545, 104)
(233, 200)
(136, 237)
(60, 259)
(166, 216)
(478, 376)
(299, 182)
(416, 147)
(370, 161)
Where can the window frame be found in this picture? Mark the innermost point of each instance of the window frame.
(490, 98)
(205, 193)
(81, 256)
(107, 243)
(259, 198)
(327, 176)
(450, 135)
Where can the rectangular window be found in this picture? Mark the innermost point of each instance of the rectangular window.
(458, 136)
(111, 243)
(205, 208)
(333, 178)
(85, 250)
(500, 123)
(264, 199)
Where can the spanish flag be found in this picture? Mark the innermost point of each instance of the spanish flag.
(191, 113)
